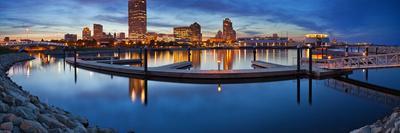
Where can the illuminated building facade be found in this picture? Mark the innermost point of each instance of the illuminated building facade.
(183, 34)
(151, 36)
(86, 34)
(137, 20)
(228, 33)
(317, 39)
(197, 37)
(6, 39)
(98, 32)
(70, 37)
(190, 34)
(166, 38)
(275, 40)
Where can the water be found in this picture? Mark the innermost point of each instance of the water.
(154, 106)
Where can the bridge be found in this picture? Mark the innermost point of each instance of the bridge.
(362, 62)
(33, 45)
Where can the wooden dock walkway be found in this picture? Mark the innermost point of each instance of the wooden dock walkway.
(173, 71)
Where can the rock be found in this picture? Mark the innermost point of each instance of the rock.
(7, 126)
(365, 129)
(100, 130)
(80, 129)
(51, 122)
(9, 100)
(26, 112)
(65, 120)
(29, 126)
(34, 99)
(9, 118)
(4, 107)
(59, 130)
(83, 121)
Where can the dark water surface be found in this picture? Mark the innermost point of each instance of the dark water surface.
(154, 106)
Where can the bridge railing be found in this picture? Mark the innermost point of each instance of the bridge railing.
(34, 43)
(359, 62)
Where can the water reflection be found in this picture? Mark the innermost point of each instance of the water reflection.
(173, 107)
(138, 90)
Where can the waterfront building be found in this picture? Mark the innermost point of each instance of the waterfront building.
(219, 35)
(71, 37)
(121, 35)
(229, 34)
(86, 34)
(6, 39)
(151, 36)
(137, 18)
(264, 41)
(197, 37)
(317, 39)
(189, 34)
(183, 34)
(98, 32)
(166, 38)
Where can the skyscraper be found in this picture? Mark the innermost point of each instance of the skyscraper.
(229, 34)
(196, 33)
(86, 34)
(137, 20)
(97, 32)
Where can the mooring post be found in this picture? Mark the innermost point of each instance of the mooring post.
(367, 51)
(298, 58)
(145, 59)
(119, 52)
(189, 54)
(376, 50)
(75, 56)
(310, 54)
(254, 53)
(141, 53)
(347, 51)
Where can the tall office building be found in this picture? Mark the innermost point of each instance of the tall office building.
(137, 20)
(86, 34)
(196, 33)
(229, 34)
(97, 32)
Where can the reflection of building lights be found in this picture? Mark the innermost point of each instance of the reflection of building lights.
(364, 70)
(219, 88)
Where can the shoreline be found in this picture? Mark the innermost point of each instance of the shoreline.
(22, 112)
(389, 124)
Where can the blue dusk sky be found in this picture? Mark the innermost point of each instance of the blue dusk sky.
(375, 21)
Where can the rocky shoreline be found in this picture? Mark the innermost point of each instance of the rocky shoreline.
(23, 112)
(390, 124)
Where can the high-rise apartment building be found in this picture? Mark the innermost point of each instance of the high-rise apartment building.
(97, 32)
(196, 36)
(137, 20)
(229, 34)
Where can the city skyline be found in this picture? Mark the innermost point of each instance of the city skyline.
(252, 18)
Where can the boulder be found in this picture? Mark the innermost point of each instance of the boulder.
(3, 107)
(65, 120)
(26, 113)
(51, 122)
(29, 126)
(7, 126)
